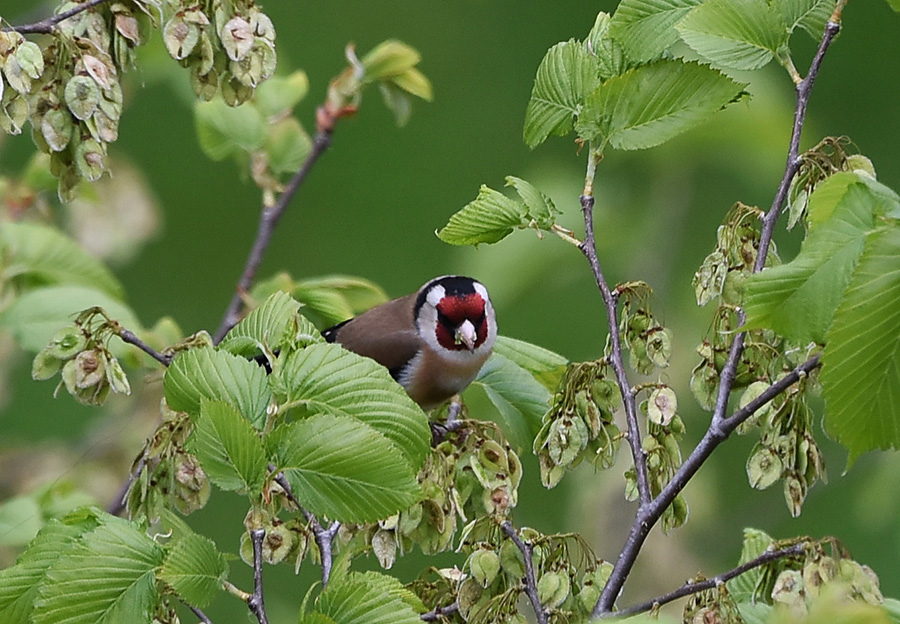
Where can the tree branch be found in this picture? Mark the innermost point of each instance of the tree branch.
(530, 581)
(324, 537)
(46, 26)
(200, 615)
(692, 588)
(255, 601)
(128, 336)
(117, 505)
(268, 219)
(439, 612)
(610, 302)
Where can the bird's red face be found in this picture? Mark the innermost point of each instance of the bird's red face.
(462, 323)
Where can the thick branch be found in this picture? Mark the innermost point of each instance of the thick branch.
(530, 581)
(255, 601)
(268, 219)
(610, 302)
(46, 26)
(693, 588)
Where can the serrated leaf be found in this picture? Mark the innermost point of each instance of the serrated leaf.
(229, 450)
(517, 395)
(798, 299)
(335, 298)
(743, 588)
(195, 569)
(326, 378)
(540, 207)
(206, 373)
(737, 34)
(489, 218)
(646, 28)
(358, 600)
(545, 365)
(264, 328)
(565, 76)
(33, 318)
(810, 15)
(611, 57)
(861, 362)
(19, 584)
(651, 104)
(36, 255)
(107, 577)
(341, 467)
(225, 130)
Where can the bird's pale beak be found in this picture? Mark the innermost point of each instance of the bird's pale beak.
(465, 334)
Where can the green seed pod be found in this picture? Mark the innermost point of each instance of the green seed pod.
(484, 564)
(116, 377)
(659, 347)
(384, 545)
(57, 128)
(764, 467)
(82, 96)
(180, 36)
(553, 589)
(662, 405)
(795, 493)
(45, 365)
(511, 559)
(469, 593)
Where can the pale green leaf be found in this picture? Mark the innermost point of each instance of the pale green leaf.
(280, 94)
(206, 373)
(195, 569)
(611, 58)
(798, 299)
(861, 362)
(646, 28)
(545, 365)
(540, 207)
(389, 58)
(565, 76)
(287, 145)
(743, 588)
(107, 577)
(737, 34)
(344, 469)
(328, 378)
(37, 255)
(224, 130)
(19, 584)
(489, 218)
(517, 395)
(894, 4)
(20, 520)
(228, 448)
(358, 600)
(810, 15)
(34, 317)
(653, 103)
(264, 329)
(335, 298)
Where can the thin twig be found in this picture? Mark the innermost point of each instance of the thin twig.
(699, 586)
(46, 26)
(440, 612)
(255, 602)
(268, 219)
(439, 431)
(324, 537)
(118, 503)
(529, 581)
(720, 427)
(128, 336)
(200, 615)
(610, 302)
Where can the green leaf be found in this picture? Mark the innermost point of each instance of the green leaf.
(743, 588)
(335, 298)
(737, 34)
(34, 317)
(107, 577)
(389, 58)
(359, 599)
(287, 145)
(194, 569)
(489, 218)
(228, 448)
(894, 4)
(861, 362)
(206, 373)
(646, 28)
(280, 94)
(798, 299)
(810, 15)
(611, 58)
(35, 255)
(545, 365)
(517, 395)
(541, 208)
(343, 468)
(653, 103)
(565, 76)
(264, 329)
(329, 379)
(225, 131)
(19, 584)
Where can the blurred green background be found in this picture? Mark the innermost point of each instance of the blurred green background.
(372, 204)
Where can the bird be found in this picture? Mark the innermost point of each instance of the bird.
(433, 342)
